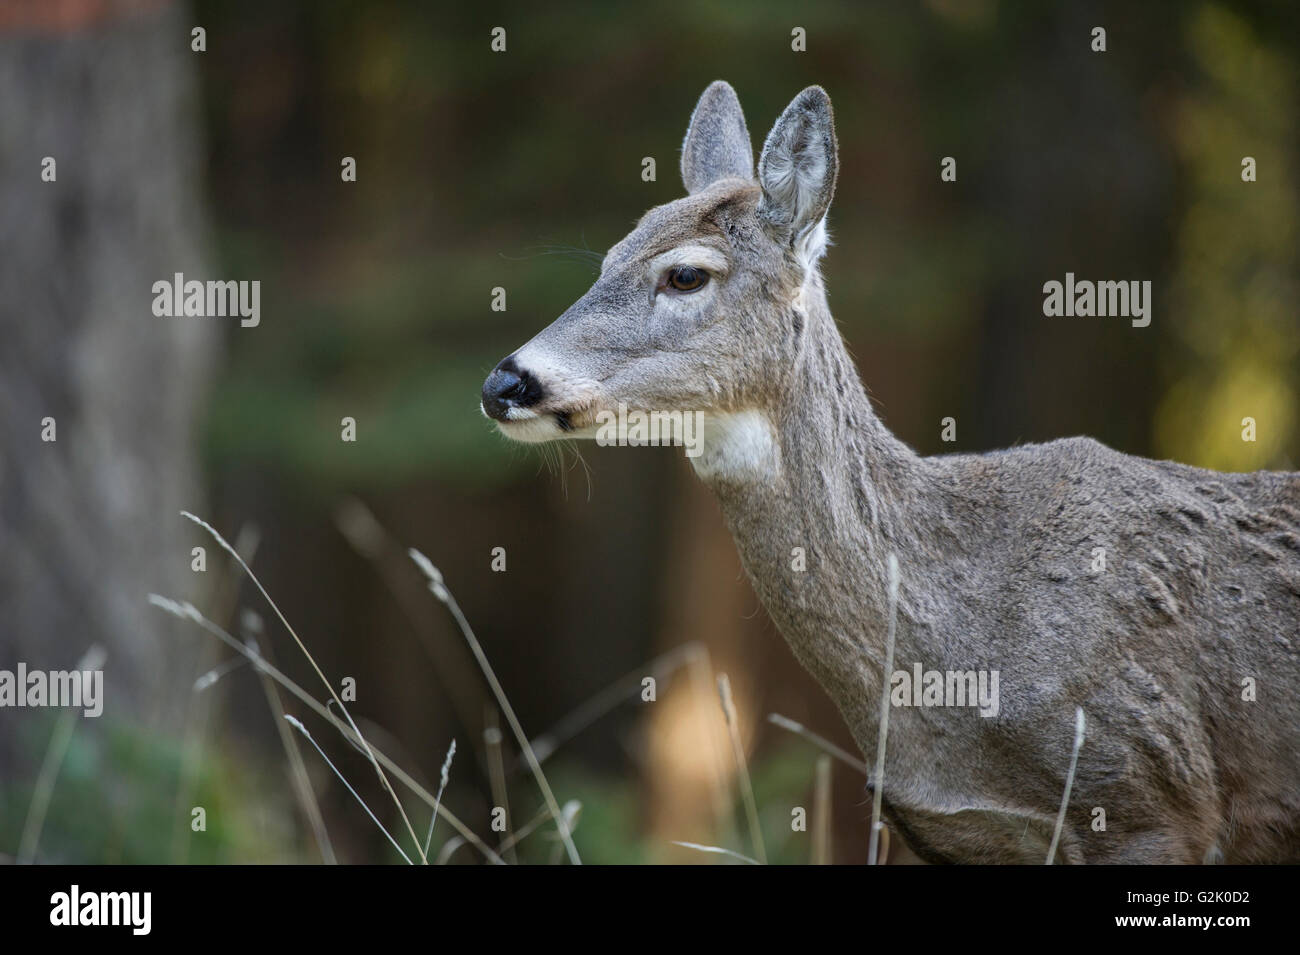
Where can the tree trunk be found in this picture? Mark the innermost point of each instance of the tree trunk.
(89, 522)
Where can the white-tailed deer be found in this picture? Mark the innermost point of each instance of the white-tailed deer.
(1162, 599)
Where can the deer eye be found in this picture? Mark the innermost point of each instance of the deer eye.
(683, 278)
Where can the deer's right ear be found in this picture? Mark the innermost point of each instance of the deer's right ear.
(717, 143)
(798, 167)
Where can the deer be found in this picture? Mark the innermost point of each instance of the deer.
(1183, 650)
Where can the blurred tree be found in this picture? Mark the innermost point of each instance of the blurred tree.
(89, 521)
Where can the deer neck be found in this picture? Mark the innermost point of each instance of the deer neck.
(817, 492)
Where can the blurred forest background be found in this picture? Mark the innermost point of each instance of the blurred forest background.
(478, 169)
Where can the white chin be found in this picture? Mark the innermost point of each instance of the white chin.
(533, 430)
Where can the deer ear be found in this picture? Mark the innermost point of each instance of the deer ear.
(717, 141)
(798, 167)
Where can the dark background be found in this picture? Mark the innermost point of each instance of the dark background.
(479, 169)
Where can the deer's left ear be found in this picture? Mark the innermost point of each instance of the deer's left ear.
(798, 167)
(717, 142)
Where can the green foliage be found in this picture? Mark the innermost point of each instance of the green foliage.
(115, 802)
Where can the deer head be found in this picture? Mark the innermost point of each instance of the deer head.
(702, 307)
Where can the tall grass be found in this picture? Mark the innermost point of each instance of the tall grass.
(187, 611)
(742, 768)
(878, 794)
(383, 778)
(533, 752)
(440, 591)
(1080, 725)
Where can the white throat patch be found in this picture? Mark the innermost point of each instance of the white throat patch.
(737, 446)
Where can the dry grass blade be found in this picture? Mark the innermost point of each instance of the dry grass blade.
(448, 850)
(629, 685)
(297, 724)
(519, 835)
(1080, 725)
(492, 739)
(742, 768)
(221, 599)
(187, 611)
(312, 660)
(717, 850)
(92, 659)
(821, 742)
(213, 676)
(442, 787)
(882, 853)
(700, 669)
(821, 843)
(873, 845)
(572, 811)
(439, 590)
(297, 768)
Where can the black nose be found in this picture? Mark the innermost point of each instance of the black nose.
(509, 387)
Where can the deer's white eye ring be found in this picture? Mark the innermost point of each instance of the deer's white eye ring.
(685, 278)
